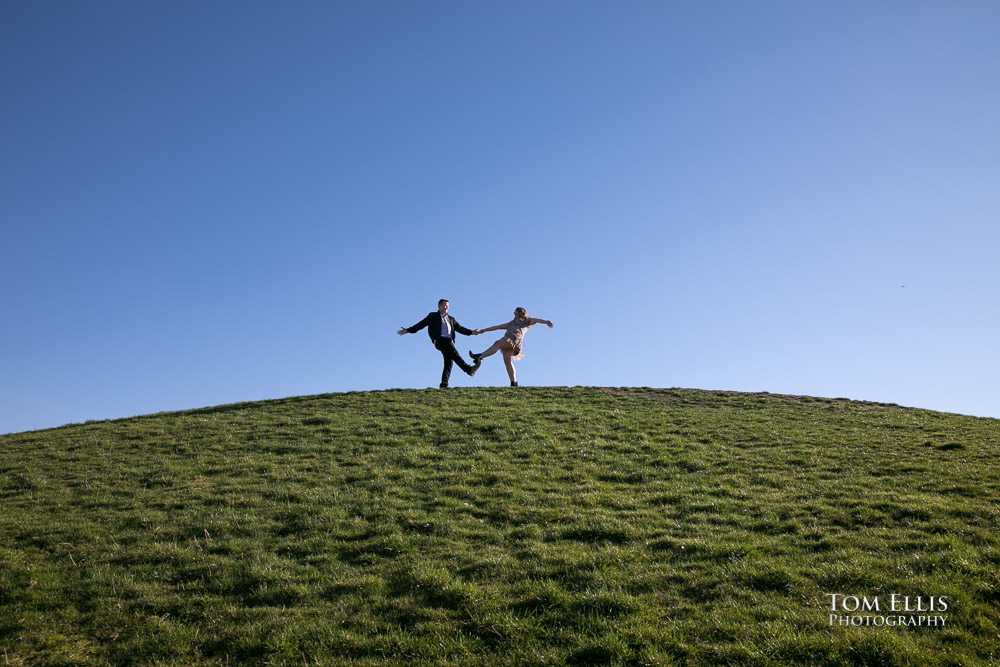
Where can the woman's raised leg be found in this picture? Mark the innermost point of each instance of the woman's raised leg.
(502, 344)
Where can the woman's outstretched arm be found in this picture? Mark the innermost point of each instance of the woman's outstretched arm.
(537, 320)
(497, 327)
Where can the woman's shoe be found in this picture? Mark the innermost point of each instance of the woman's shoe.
(513, 383)
(475, 357)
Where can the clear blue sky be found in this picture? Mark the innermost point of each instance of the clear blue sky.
(213, 202)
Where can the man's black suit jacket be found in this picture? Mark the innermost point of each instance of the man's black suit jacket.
(433, 324)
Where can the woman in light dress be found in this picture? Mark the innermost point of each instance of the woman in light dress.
(511, 345)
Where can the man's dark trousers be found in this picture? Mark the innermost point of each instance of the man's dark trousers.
(446, 347)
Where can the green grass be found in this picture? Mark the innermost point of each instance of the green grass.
(485, 526)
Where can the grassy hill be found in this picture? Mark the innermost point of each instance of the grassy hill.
(482, 526)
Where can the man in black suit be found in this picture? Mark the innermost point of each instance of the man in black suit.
(442, 328)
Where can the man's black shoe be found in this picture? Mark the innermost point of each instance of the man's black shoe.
(475, 367)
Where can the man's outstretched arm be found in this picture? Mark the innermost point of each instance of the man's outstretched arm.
(462, 330)
(415, 328)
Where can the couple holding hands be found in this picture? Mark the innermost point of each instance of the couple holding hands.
(442, 328)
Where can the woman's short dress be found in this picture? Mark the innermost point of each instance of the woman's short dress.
(515, 334)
